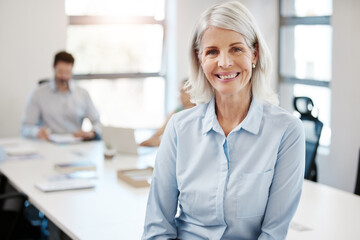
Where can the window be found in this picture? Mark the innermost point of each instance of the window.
(119, 58)
(306, 55)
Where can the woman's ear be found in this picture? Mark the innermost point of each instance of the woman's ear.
(196, 52)
(255, 54)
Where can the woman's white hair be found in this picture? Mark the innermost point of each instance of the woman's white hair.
(236, 17)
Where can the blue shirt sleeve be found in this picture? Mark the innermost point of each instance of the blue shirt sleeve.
(285, 190)
(30, 123)
(92, 114)
(163, 196)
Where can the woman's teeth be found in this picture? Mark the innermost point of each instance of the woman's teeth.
(228, 76)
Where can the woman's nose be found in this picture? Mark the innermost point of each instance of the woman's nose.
(225, 61)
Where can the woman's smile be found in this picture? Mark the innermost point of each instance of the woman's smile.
(227, 77)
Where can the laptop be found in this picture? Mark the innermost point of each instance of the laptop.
(123, 141)
(120, 139)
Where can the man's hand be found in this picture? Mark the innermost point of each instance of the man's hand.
(43, 133)
(85, 135)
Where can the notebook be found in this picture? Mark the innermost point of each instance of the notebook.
(70, 167)
(64, 138)
(65, 185)
(120, 139)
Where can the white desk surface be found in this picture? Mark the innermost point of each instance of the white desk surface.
(329, 213)
(112, 210)
(115, 210)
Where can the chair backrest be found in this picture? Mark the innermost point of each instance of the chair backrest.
(42, 81)
(357, 185)
(313, 127)
(10, 214)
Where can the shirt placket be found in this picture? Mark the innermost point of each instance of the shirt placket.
(224, 175)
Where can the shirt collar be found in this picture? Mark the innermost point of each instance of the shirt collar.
(210, 120)
(251, 123)
(54, 88)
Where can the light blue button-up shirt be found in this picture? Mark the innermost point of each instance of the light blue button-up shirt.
(243, 186)
(61, 112)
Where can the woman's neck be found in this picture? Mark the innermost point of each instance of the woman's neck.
(189, 105)
(232, 110)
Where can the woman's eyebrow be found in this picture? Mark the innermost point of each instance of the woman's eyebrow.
(210, 47)
(236, 43)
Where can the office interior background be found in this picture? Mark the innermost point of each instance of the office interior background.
(132, 55)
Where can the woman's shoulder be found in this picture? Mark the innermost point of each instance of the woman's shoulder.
(278, 115)
(190, 114)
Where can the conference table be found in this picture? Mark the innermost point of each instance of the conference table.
(116, 210)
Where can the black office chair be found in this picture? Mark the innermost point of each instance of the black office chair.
(18, 219)
(357, 185)
(313, 127)
(42, 81)
(11, 217)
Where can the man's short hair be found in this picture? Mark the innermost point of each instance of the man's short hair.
(63, 57)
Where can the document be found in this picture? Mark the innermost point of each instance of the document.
(64, 138)
(65, 185)
(19, 150)
(70, 167)
(72, 175)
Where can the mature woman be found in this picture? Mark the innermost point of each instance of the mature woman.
(233, 166)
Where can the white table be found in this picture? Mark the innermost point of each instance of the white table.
(112, 210)
(115, 210)
(329, 213)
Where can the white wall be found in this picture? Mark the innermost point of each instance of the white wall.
(31, 32)
(265, 13)
(345, 87)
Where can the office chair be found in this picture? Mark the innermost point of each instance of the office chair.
(11, 216)
(357, 185)
(313, 127)
(15, 220)
(42, 81)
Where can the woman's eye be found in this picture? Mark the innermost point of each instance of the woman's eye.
(211, 52)
(236, 49)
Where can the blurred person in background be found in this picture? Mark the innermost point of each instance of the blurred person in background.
(155, 139)
(59, 106)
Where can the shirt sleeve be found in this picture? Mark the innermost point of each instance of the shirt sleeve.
(31, 121)
(163, 196)
(92, 114)
(285, 191)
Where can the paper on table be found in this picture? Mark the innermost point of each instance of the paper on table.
(72, 175)
(299, 227)
(64, 138)
(18, 151)
(65, 185)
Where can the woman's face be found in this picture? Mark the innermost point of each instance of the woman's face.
(227, 61)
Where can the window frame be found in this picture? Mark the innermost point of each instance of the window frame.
(293, 80)
(108, 20)
(294, 21)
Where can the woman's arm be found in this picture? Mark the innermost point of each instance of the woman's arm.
(163, 196)
(285, 190)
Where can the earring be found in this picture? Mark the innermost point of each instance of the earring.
(253, 65)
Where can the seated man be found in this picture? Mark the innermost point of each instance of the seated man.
(60, 106)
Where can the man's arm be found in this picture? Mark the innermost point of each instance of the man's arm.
(94, 118)
(30, 126)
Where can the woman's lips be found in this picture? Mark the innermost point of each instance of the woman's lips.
(227, 77)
